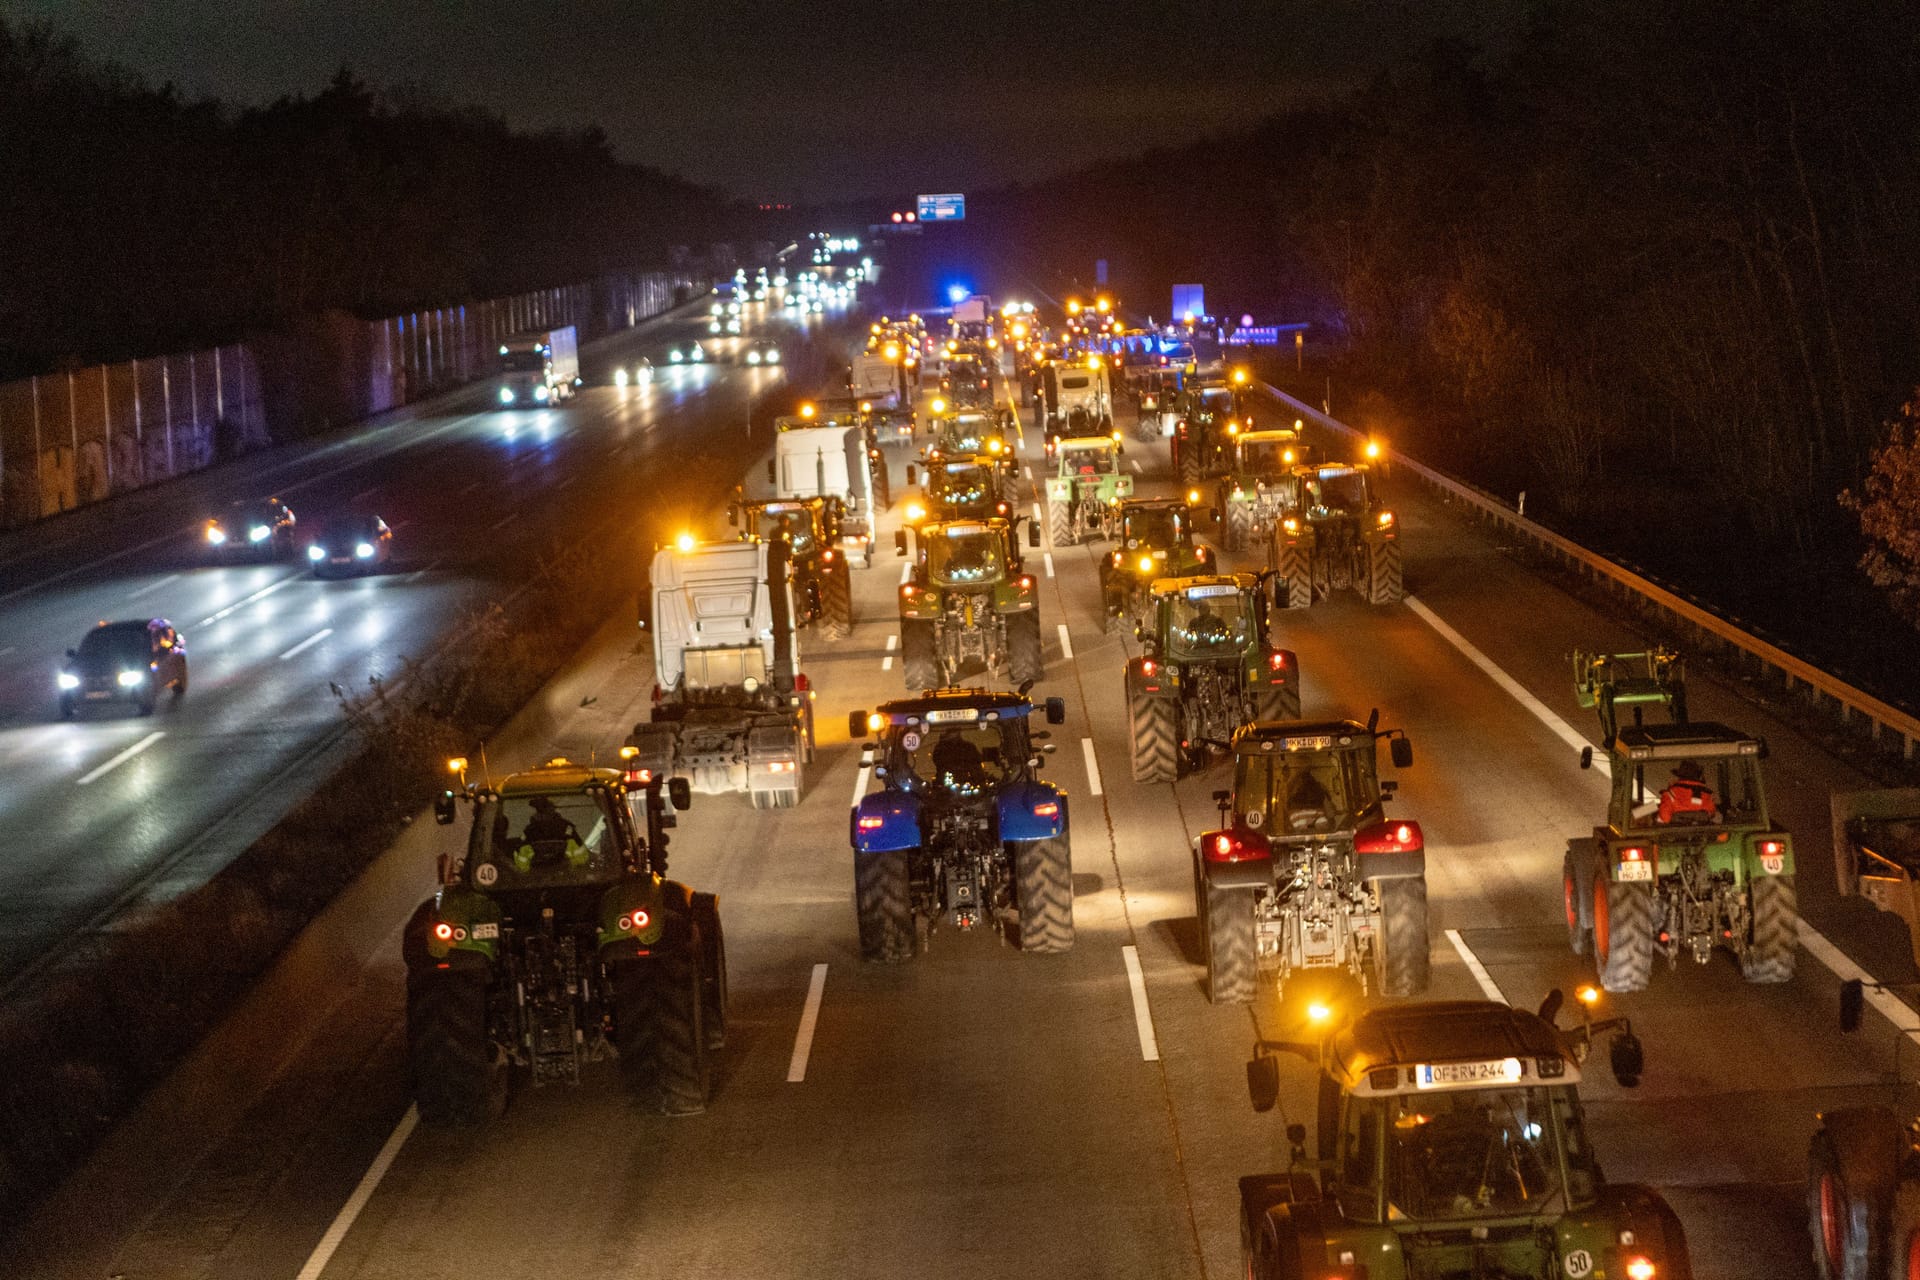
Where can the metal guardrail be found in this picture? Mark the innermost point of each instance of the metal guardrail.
(1708, 629)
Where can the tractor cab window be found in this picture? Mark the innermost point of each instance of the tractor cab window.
(1154, 526)
(1734, 782)
(1472, 1153)
(792, 525)
(964, 558)
(966, 486)
(1093, 462)
(1583, 1173)
(1358, 1170)
(1209, 626)
(961, 760)
(1300, 794)
(542, 841)
(1267, 457)
(1332, 491)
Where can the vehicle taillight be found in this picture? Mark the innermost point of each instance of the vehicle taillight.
(1389, 837)
(827, 556)
(1047, 809)
(909, 590)
(638, 920)
(1633, 853)
(1640, 1269)
(801, 683)
(1771, 848)
(1277, 660)
(443, 931)
(872, 824)
(1026, 582)
(1148, 666)
(1233, 846)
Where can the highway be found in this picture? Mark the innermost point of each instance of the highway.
(976, 1111)
(124, 809)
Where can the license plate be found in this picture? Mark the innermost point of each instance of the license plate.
(953, 716)
(98, 693)
(1636, 871)
(1429, 1075)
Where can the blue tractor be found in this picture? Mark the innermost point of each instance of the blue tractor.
(962, 829)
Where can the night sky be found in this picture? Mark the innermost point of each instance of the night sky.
(798, 100)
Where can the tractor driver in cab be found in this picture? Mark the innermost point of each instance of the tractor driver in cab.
(1308, 805)
(957, 763)
(1688, 798)
(548, 838)
(1207, 628)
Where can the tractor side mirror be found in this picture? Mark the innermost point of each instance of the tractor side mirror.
(1033, 534)
(856, 724)
(1853, 1004)
(1222, 798)
(1627, 1059)
(1387, 787)
(679, 793)
(899, 542)
(913, 474)
(1401, 752)
(1586, 757)
(443, 808)
(1373, 720)
(1056, 710)
(1263, 1082)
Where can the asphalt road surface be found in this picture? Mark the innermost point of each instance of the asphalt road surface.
(982, 1112)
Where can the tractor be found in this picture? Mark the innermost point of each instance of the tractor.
(1155, 540)
(1205, 670)
(967, 606)
(1257, 491)
(816, 555)
(1084, 493)
(1335, 535)
(1694, 866)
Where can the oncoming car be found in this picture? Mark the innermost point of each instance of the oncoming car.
(123, 662)
(350, 544)
(262, 528)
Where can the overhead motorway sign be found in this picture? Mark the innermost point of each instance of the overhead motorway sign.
(947, 208)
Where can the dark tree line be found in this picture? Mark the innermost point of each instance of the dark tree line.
(138, 222)
(1654, 264)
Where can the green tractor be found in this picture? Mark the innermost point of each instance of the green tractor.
(1155, 537)
(1202, 436)
(1084, 493)
(1205, 671)
(558, 940)
(816, 554)
(961, 487)
(967, 432)
(1688, 864)
(1257, 491)
(1451, 1143)
(1336, 535)
(968, 606)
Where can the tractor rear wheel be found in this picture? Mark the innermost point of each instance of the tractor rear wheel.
(1774, 945)
(1384, 581)
(1853, 1180)
(1059, 525)
(1903, 1236)
(1622, 933)
(676, 1034)
(713, 970)
(836, 600)
(459, 1076)
(1405, 965)
(1293, 579)
(1155, 738)
(918, 656)
(1237, 529)
(1043, 879)
(1189, 459)
(1024, 662)
(881, 899)
(1578, 893)
(1232, 965)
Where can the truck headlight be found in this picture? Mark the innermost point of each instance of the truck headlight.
(216, 535)
(541, 394)
(506, 395)
(316, 552)
(259, 533)
(128, 679)
(67, 680)
(364, 551)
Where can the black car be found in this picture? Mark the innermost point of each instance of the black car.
(350, 544)
(124, 662)
(261, 528)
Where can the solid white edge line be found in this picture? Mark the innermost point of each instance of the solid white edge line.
(1066, 642)
(809, 1017)
(1902, 1015)
(1093, 766)
(343, 1221)
(1488, 987)
(307, 644)
(1046, 558)
(86, 779)
(1142, 1015)
(1545, 714)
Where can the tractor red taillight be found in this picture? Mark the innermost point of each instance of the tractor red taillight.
(872, 824)
(638, 920)
(1633, 853)
(443, 931)
(1389, 837)
(1148, 666)
(1771, 848)
(1047, 809)
(1277, 660)
(1234, 846)
(639, 777)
